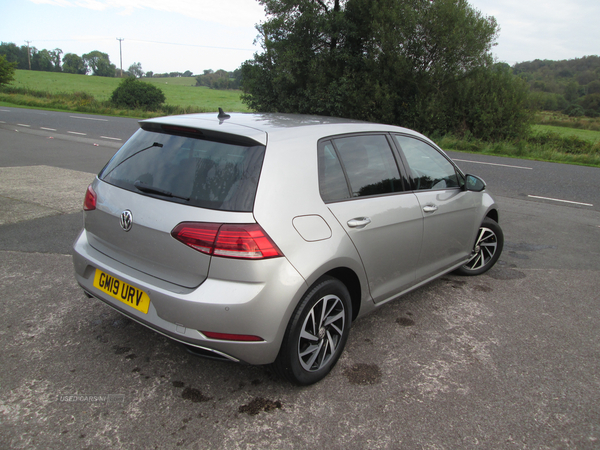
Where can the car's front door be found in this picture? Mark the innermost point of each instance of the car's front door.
(449, 211)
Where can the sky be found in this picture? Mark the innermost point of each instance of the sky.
(197, 35)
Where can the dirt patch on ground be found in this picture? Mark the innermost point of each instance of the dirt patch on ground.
(363, 374)
(259, 404)
(194, 395)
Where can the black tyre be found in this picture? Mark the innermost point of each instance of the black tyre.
(486, 251)
(317, 333)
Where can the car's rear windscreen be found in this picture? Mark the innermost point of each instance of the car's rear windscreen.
(188, 170)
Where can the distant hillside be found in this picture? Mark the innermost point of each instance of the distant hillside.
(572, 86)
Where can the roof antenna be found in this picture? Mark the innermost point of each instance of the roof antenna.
(222, 116)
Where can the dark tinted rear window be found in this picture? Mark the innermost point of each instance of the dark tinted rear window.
(208, 174)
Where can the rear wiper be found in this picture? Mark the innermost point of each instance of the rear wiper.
(154, 144)
(154, 190)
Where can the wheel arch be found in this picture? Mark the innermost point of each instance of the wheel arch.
(494, 215)
(352, 282)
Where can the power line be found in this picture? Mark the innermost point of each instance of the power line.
(152, 42)
(195, 45)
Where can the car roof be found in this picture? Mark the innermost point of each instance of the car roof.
(258, 126)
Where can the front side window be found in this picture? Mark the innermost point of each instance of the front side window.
(429, 168)
(188, 170)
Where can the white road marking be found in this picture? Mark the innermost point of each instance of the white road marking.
(89, 118)
(559, 200)
(23, 125)
(114, 139)
(75, 132)
(493, 164)
(48, 129)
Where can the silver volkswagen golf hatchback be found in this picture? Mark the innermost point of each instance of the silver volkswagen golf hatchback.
(260, 238)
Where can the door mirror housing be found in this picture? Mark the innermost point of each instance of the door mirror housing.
(474, 183)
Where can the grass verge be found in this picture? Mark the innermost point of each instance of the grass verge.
(542, 146)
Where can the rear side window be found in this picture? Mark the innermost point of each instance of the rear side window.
(332, 182)
(357, 166)
(208, 174)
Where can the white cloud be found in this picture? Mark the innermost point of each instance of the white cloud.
(224, 12)
(52, 2)
(543, 29)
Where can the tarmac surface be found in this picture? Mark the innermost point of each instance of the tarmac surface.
(509, 359)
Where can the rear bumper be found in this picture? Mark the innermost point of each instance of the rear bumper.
(258, 305)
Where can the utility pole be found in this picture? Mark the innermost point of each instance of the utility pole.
(121, 54)
(28, 58)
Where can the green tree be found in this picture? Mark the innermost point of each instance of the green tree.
(591, 102)
(99, 63)
(7, 70)
(42, 60)
(392, 61)
(73, 63)
(572, 91)
(55, 56)
(220, 79)
(502, 109)
(135, 70)
(593, 87)
(136, 94)
(15, 54)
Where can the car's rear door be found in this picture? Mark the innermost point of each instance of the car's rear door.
(363, 184)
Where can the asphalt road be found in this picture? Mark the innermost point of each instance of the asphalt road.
(509, 359)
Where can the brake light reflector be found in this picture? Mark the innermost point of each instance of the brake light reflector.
(89, 202)
(244, 241)
(231, 337)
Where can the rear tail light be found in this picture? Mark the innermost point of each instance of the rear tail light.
(89, 203)
(244, 241)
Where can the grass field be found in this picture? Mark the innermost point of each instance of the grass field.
(588, 135)
(178, 91)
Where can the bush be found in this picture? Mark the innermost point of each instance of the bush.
(135, 94)
(7, 70)
(591, 113)
(574, 111)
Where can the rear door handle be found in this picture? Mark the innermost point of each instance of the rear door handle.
(430, 208)
(359, 222)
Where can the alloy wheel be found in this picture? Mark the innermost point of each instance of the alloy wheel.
(321, 333)
(484, 249)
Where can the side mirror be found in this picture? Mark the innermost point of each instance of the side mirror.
(474, 183)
